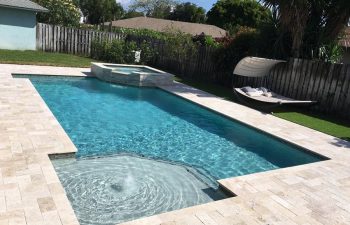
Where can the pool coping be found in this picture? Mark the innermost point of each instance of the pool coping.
(109, 65)
(269, 191)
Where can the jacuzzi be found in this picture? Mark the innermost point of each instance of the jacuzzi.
(136, 75)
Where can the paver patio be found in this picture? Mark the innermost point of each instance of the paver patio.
(31, 193)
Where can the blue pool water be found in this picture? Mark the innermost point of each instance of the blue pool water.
(130, 69)
(104, 119)
(144, 151)
(110, 190)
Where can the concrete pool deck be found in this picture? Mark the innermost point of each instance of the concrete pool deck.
(31, 193)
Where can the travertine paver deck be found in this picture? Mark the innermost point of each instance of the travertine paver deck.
(8, 69)
(30, 192)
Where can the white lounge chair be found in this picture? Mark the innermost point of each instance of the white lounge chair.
(260, 67)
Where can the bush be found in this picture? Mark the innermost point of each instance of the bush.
(180, 45)
(210, 41)
(232, 50)
(332, 52)
(205, 40)
(135, 32)
(116, 51)
(147, 53)
(224, 41)
(100, 49)
(128, 51)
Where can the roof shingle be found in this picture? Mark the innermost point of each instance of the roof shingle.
(22, 4)
(162, 25)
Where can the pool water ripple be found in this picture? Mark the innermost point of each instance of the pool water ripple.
(114, 189)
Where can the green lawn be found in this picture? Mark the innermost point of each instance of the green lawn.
(43, 58)
(324, 123)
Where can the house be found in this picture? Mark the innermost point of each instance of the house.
(345, 43)
(162, 25)
(18, 24)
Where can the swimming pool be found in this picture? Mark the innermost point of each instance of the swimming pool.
(103, 119)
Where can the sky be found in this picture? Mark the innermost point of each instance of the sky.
(207, 4)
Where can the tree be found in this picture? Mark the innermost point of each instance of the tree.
(229, 14)
(154, 8)
(61, 12)
(99, 11)
(132, 14)
(76, 2)
(188, 12)
(311, 24)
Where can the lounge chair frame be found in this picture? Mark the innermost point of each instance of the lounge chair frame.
(259, 68)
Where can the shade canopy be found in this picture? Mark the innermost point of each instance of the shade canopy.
(255, 67)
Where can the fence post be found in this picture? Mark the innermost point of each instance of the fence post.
(39, 36)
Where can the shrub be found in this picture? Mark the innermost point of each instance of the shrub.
(117, 51)
(147, 53)
(100, 49)
(135, 32)
(210, 41)
(332, 52)
(234, 49)
(180, 45)
(205, 40)
(224, 41)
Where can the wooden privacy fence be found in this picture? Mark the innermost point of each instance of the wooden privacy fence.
(194, 66)
(52, 38)
(327, 83)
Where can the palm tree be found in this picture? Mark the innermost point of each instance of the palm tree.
(314, 22)
(292, 16)
(336, 17)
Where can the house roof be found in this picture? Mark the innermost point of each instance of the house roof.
(162, 25)
(345, 40)
(22, 4)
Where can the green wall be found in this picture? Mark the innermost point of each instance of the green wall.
(17, 29)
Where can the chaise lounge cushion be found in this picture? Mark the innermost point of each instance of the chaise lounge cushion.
(253, 92)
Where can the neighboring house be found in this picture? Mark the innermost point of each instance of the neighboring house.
(164, 25)
(345, 43)
(18, 24)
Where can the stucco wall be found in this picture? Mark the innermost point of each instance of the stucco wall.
(17, 29)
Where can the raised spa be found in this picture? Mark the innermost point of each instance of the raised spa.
(134, 75)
